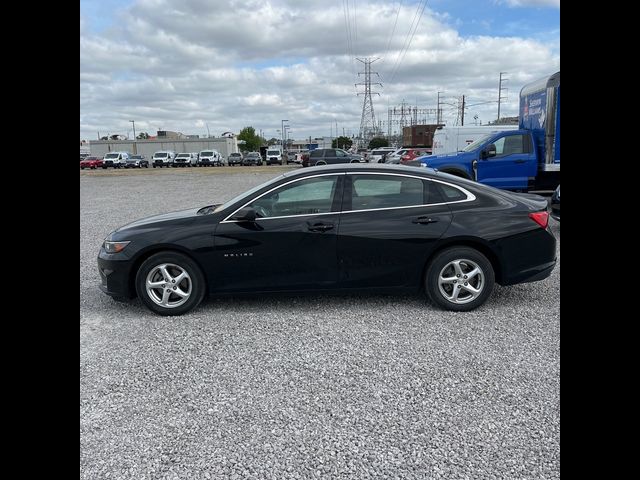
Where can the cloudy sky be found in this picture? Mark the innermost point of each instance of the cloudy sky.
(186, 65)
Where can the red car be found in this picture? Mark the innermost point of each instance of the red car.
(412, 154)
(91, 162)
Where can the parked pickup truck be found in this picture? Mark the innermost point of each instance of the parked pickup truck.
(520, 160)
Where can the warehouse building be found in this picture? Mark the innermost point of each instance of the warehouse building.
(148, 147)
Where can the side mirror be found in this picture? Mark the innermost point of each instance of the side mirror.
(490, 151)
(246, 214)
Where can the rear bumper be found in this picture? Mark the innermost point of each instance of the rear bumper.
(527, 257)
(534, 274)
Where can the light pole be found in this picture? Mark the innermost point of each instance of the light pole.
(286, 136)
(135, 149)
(282, 132)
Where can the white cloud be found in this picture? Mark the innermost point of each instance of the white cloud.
(531, 3)
(183, 65)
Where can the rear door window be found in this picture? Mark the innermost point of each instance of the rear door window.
(370, 192)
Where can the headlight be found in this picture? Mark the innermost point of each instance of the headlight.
(114, 247)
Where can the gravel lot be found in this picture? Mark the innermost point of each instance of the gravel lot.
(310, 386)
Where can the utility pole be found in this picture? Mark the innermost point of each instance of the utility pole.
(135, 149)
(500, 88)
(282, 132)
(368, 119)
(462, 114)
(208, 134)
(438, 114)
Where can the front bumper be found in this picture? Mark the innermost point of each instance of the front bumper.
(115, 275)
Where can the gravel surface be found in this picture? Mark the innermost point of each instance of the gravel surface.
(280, 387)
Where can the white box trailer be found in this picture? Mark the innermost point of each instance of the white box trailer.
(454, 139)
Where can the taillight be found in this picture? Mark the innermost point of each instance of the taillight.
(541, 218)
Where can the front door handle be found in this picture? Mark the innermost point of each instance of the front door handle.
(423, 220)
(319, 227)
(519, 161)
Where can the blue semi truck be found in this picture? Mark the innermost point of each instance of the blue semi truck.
(520, 160)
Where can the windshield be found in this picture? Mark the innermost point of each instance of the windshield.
(206, 154)
(234, 154)
(253, 154)
(161, 155)
(245, 194)
(136, 157)
(183, 155)
(477, 143)
(273, 152)
(111, 155)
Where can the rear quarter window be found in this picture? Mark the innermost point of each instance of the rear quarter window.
(451, 194)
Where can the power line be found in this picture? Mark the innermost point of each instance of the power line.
(393, 30)
(355, 24)
(347, 23)
(408, 44)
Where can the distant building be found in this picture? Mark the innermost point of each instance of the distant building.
(170, 134)
(149, 146)
(505, 121)
(419, 135)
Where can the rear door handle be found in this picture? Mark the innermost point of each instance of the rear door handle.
(319, 227)
(519, 161)
(423, 220)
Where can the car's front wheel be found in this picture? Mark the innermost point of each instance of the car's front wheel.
(170, 283)
(459, 279)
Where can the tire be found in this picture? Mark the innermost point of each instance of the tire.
(176, 263)
(104, 168)
(321, 162)
(442, 293)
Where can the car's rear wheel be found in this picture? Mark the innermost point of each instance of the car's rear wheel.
(321, 162)
(459, 279)
(170, 283)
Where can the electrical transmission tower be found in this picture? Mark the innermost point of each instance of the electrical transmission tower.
(368, 121)
(500, 88)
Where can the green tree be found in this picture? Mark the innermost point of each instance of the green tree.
(378, 142)
(252, 142)
(143, 136)
(273, 141)
(342, 142)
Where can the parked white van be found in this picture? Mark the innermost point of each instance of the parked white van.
(455, 139)
(163, 158)
(210, 157)
(185, 159)
(115, 159)
(274, 155)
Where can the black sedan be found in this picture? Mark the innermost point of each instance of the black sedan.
(347, 227)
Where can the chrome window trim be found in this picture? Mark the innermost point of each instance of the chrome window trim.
(226, 220)
(470, 196)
